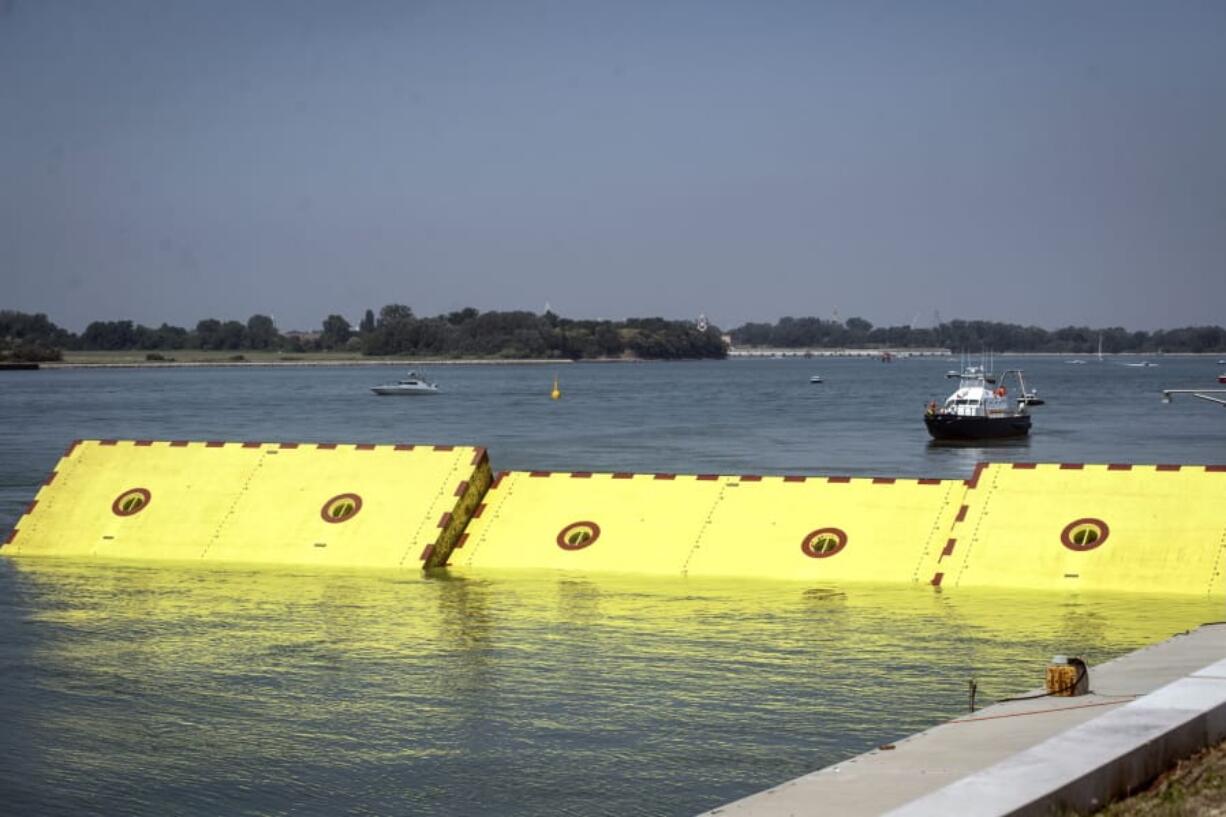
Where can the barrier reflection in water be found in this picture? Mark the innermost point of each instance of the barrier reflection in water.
(151, 689)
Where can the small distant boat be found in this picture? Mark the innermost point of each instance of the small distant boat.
(817, 378)
(411, 384)
(1144, 364)
(1221, 378)
(979, 408)
(1076, 362)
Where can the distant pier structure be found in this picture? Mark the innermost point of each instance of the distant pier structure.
(882, 353)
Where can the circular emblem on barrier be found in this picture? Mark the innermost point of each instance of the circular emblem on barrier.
(131, 501)
(578, 535)
(340, 508)
(1084, 534)
(824, 542)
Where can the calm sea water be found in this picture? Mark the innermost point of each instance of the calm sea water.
(168, 689)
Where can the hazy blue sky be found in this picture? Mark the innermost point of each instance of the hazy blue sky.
(1038, 162)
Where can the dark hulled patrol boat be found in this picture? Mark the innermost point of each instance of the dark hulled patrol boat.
(982, 407)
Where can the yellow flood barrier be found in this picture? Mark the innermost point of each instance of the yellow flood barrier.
(289, 503)
(825, 529)
(1138, 528)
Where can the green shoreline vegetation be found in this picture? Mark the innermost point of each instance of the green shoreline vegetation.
(397, 333)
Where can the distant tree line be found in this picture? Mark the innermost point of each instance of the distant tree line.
(394, 331)
(975, 335)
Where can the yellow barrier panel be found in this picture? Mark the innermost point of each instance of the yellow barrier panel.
(588, 522)
(1153, 529)
(799, 528)
(350, 505)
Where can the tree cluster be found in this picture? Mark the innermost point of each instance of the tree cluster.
(817, 333)
(395, 331)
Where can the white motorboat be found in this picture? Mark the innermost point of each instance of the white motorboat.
(979, 409)
(817, 378)
(410, 384)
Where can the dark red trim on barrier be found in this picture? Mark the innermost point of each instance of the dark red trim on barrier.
(1215, 468)
(1025, 466)
(580, 474)
(403, 447)
(936, 579)
(973, 482)
(1119, 466)
(838, 479)
(365, 447)
(707, 477)
(34, 502)
(143, 443)
(444, 448)
(250, 444)
(795, 479)
(179, 443)
(664, 476)
(460, 542)
(623, 475)
(444, 520)
(108, 442)
(540, 473)
(287, 445)
(50, 478)
(962, 513)
(214, 444)
(949, 549)
(72, 447)
(1168, 467)
(751, 478)
(927, 481)
(498, 479)
(461, 488)
(426, 552)
(479, 510)
(9, 540)
(883, 480)
(325, 446)
(478, 456)
(1072, 466)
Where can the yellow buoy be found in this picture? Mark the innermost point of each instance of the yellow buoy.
(556, 393)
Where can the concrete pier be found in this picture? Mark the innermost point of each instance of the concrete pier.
(1145, 711)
